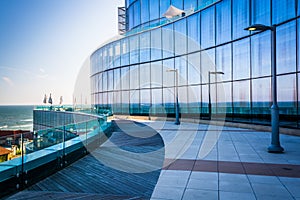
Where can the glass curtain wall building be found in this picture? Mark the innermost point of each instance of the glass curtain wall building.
(131, 75)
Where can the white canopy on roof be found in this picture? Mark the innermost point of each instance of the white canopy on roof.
(172, 12)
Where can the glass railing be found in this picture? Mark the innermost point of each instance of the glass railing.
(26, 158)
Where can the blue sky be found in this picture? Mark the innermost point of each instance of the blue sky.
(43, 44)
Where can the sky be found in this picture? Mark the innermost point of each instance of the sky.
(44, 43)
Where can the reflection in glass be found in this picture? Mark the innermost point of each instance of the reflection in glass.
(144, 75)
(180, 65)
(193, 32)
(125, 77)
(180, 37)
(194, 98)
(283, 10)
(145, 101)
(168, 77)
(168, 41)
(241, 59)
(156, 74)
(144, 11)
(223, 21)
(286, 48)
(183, 99)
(240, 17)
(287, 94)
(194, 68)
(208, 27)
(156, 44)
(241, 97)
(224, 98)
(134, 101)
(261, 54)
(207, 64)
(134, 49)
(261, 96)
(156, 106)
(223, 62)
(134, 77)
(145, 47)
(261, 10)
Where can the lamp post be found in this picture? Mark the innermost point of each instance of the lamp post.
(275, 141)
(177, 122)
(209, 98)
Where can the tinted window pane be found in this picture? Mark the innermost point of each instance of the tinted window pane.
(193, 32)
(261, 10)
(124, 52)
(145, 101)
(156, 74)
(154, 9)
(144, 11)
(145, 47)
(283, 10)
(134, 49)
(125, 77)
(207, 64)
(194, 68)
(168, 100)
(156, 107)
(156, 44)
(144, 75)
(240, 17)
(168, 41)
(223, 61)
(137, 13)
(117, 83)
(134, 77)
(261, 96)
(194, 99)
(183, 100)
(286, 48)
(224, 97)
(168, 77)
(241, 59)
(134, 101)
(286, 94)
(180, 65)
(261, 54)
(241, 97)
(298, 39)
(223, 21)
(208, 27)
(180, 37)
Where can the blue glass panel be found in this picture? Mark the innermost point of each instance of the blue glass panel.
(261, 54)
(117, 78)
(145, 15)
(208, 27)
(194, 68)
(125, 77)
(124, 52)
(130, 17)
(180, 37)
(190, 4)
(137, 13)
(110, 80)
(125, 102)
(157, 102)
(241, 59)
(223, 21)
(193, 25)
(181, 66)
(240, 17)
(145, 46)
(224, 98)
(104, 81)
(241, 97)
(207, 64)
(298, 47)
(261, 96)
(144, 75)
(164, 5)
(183, 100)
(117, 51)
(156, 74)
(223, 61)
(168, 41)
(286, 48)
(261, 11)
(283, 10)
(168, 100)
(204, 99)
(194, 99)
(177, 4)
(134, 102)
(134, 49)
(134, 77)
(286, 94)
(156, 52)
(168, 77)
(145, 101)
(154, 10)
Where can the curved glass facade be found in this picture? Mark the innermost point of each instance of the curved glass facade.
(132, 76)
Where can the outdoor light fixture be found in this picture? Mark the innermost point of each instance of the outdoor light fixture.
(209, 98)
(275, 141)
(177, 122)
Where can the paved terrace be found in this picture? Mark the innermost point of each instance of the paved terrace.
(190, 161)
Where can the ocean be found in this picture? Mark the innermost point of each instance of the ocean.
(16, 117)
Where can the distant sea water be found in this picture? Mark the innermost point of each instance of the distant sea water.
(16, 117)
